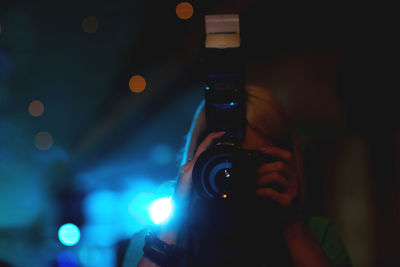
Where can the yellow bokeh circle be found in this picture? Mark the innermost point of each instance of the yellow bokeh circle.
(43, 141)
(184, 10)
(36, 108)
(137, 84)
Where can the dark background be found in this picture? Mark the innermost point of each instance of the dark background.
(332, 65)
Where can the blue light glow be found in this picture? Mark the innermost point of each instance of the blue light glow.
(67, 259)
(167, 188)
(161, 154)
(93, 256)
(69, 234)
(100, 207)
(160, 209)
(139, 207)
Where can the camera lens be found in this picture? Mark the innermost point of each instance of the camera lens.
(226, 170)
(214, 172)
(220, 177)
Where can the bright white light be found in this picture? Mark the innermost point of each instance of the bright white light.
(69, 234)
(160, 209)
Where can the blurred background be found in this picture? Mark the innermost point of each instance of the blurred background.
(96, 98)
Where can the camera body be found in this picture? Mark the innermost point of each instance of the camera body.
(225, 171)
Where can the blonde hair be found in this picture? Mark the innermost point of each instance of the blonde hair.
(267, 116)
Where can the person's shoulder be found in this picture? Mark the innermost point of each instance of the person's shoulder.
(134, 252)
(329, 239)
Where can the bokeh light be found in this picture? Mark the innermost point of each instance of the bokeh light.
(22, 193)
(69, 234)
(67, 259)
(167, 188)
(161, 154)
(100, 207)
(184, 10)
(43, 141)
(139, 207)
(160, 209)
(104, 235)
(90, 24)
(90, 256)
(94, 256)
(137, 83)
(36, 108)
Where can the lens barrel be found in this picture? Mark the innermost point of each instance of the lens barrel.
(227, 171)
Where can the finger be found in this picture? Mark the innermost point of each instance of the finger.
(277, 152)
(186, 170)
(277, 166)
(285, 200)
(272, 178)
(207, 142)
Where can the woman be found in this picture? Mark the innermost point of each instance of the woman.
(277, 234)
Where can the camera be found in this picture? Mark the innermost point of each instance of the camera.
(225, 171)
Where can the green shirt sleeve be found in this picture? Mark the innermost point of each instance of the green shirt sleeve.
(330, 241)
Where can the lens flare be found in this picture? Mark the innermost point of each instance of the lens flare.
(160, 209)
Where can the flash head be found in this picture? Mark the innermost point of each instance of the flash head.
(217, 172)
(223, 75)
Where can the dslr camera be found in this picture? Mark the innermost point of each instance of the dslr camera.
(225, 171)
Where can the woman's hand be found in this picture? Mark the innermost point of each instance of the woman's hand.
(169, 233)
(278, 181)
(184, 185)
